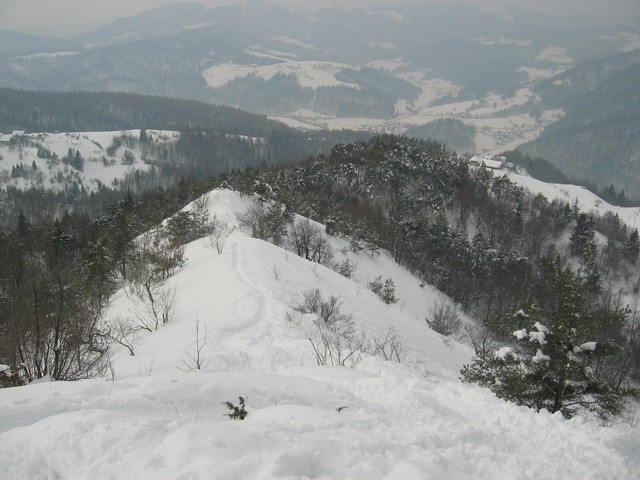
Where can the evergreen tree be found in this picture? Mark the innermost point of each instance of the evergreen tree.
(550, 366)
(632, 247)
(583, 239)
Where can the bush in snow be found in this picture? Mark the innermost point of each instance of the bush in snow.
(13, 376)
(184, 227)
(334, 339)
(308, 242)
(151, 264)
(238, 412)
(385, 290)
(265, 223)
(443, 318)
(553, 363)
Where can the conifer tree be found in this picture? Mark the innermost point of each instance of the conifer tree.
(550, 363)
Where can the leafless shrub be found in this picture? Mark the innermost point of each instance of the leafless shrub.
(159, 306)
(334, 339)
(481, 339)
(219, 234)
(265, 223)
(293, 316)
(338, 344)
(346, 268)
(276, 272)
(193, 358)
(125, 332)
(390, 348)
(311, 300)
(308, 241)
(444, 318)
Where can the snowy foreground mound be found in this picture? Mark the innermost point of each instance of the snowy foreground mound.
(152, 420)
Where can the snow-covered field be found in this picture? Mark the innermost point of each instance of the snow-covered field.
(98, 166)
(151, 420)
(310, 74)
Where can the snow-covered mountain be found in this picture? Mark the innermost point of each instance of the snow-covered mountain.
(157, 416)
(385, 68)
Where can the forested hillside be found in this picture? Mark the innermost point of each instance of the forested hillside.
(211, 139)
(40, 111)
(596, 141)
(493, 247)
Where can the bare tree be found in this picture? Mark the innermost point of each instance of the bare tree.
(219, 235)
(159, 306)
(193, 358)
(308, 242)
(125, 332)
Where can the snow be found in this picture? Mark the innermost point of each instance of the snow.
(540, 357)
(541, 328)
(504, 353)
(501, 41)
(557, 55)
(149, 419)
(588, 346)
(198, 26)
(540, 73)
(541, 335)
(395, 16)
(390, 64)
(633, 41)
(310, 74)
(297, 43)
(497, 128)
(293, 123)
(521, 334)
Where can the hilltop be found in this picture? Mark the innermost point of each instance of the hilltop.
(155, 415)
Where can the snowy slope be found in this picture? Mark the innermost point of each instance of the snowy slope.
(310, 74)
(587, 200)
(98, 167)
(152, 420)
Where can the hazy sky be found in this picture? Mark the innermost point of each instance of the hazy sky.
(64, 18)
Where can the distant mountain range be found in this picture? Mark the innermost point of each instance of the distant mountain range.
(598, 140)
(480, 80)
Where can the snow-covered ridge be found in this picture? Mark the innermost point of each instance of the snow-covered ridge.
(380, 420)
(310, 74)
(587, 200)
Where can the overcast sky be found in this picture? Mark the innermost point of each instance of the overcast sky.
(64, 18)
